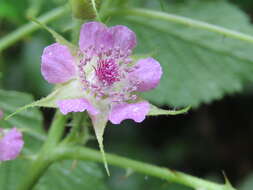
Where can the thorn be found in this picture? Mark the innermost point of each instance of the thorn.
(228, 185)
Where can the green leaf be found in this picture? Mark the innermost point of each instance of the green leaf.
(154, 111)
(77, 175)
(65, 175)
(199, 66)
(247, 183)
(11, 173)
(30, 121)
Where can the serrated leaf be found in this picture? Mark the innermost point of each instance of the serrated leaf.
(199, 66)
(155, 111)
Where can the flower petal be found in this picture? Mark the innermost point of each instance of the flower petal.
(57, 64)
(123, 37)
(94, 34)
(11, 145)
(136, 112)
(76, 105)
(148, 73)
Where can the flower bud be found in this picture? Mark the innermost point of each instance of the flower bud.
(83, 9)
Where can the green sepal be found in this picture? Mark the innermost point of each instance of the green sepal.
(155, 111)
(69, 90)
(99, 123)
(58, 37)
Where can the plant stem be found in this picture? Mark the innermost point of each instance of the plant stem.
(36, 170)
(184, 21)
(81, 153)
(56, 130)
(30, 27)
(78, 119)
(43, 159)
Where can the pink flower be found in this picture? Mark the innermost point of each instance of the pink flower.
(11, 143)
(107, 79)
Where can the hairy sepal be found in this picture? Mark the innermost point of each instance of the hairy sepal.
(99, 123)
(69, 90)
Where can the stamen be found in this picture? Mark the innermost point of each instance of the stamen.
(111, 66)
(107, 72)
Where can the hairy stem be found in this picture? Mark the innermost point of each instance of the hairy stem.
(30, 27)
(184, 21)
(82, 153)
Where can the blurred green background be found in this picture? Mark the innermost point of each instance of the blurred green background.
(211, 72)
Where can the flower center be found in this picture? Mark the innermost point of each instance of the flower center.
(104, 73)
(107, 72)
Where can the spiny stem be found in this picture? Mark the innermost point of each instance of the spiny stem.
(30, 27)
(82, 153)
(184, 21)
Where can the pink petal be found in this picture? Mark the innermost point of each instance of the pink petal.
(148, 73)
(136, 112)
(76, 105)
(57, 64)
(97, 35)
(94, 34)
(124, 38)
(11, 145)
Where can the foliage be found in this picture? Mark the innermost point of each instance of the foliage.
(205, 48)
(199, 66)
